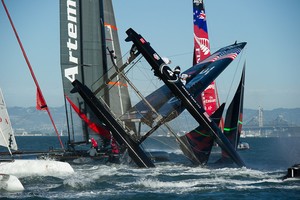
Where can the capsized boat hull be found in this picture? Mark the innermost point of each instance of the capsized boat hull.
(119, 133)
(24, 168)
(178, 88)
(10, 183)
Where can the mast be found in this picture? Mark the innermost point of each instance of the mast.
(119, 99)
(41, 102)
(103, 52)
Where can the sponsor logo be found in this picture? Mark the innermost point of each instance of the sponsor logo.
(202, 46)
(197, 2)
(207, 70)
(202, 15)
(142, 40)
(72, 45)
(156, 57)
(168, 73)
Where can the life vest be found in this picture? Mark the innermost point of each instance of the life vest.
(94, 143)
(114, 147)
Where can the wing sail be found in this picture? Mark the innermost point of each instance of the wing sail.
(234, 116)
(177, 87)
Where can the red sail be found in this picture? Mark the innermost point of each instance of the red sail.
(95, 127)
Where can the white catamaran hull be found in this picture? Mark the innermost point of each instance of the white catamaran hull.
(10, 183)
(23, 168)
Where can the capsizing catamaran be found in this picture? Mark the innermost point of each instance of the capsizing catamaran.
(168, 106)
(173, 82)
(198, 78)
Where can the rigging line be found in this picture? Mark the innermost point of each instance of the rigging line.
(118, 78)
(153, 110)
(130, 60)
(150, 106)
(180, 54)
(234, 75)
(149, 78)
(146, 74)
(129, 82)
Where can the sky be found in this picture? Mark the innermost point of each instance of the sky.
(270, 28)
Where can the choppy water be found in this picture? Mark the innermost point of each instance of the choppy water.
(267, 162)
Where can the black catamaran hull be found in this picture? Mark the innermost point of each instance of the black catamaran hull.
(177, 87)
(102, 112)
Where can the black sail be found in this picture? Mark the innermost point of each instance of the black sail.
(90, 52)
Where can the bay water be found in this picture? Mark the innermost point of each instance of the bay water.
(266, 161)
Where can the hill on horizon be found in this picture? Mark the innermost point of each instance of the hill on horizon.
(31, 120)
